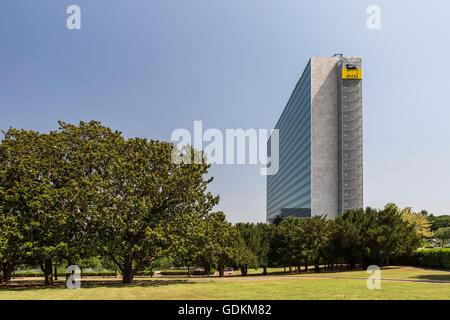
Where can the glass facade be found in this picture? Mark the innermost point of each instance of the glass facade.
(289, 190)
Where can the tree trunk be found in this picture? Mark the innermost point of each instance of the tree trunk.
(317, 265)
(128, 272)
(264, 270)
(56, 272)
(189, 272)
(306, 265)
(221, 272)
(7, 268)
(352, 264)
(48, 272)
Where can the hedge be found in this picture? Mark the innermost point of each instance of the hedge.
(184, 272)
(428, 258)
(41, 274)
(145, 273)
(434, 258)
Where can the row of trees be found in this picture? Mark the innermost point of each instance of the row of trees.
(357, 237)
(84, 191)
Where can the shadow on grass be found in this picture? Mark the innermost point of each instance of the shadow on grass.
(89, 284)
(434, 277)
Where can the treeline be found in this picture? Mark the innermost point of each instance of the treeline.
(85, 192)
(358, 237)
(427, 258)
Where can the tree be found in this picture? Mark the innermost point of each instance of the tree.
(419, 222)
(32, 197)
(387, 235)
(265, 232)
(290, 244)
(437, 222)
(347, 239)
(88, 149)
(316, 235)
(222, 246)
(11, 247)
(256, 240)
(187, 237)
(142, 191)
(443, 234)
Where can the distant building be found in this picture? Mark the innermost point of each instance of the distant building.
(320, 143)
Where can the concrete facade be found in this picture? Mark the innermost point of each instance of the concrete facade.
(350, 135)
(322, 148)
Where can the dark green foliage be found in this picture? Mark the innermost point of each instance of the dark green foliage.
(61, 274)
(427, 258)
(185, 272)
(255, 246)
(85, 191)
(442, 221)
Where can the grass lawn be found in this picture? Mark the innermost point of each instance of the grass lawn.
(304, 286)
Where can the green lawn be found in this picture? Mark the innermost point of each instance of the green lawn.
(304, 286)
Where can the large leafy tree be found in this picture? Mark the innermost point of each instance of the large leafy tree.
(223, 246)
(141, 193)
(42, 192)
(31, 197)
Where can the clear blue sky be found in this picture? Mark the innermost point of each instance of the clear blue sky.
(147, 67)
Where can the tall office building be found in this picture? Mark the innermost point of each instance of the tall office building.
(320, 143)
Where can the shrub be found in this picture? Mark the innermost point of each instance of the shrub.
(427, 258)
(434, 258)
(145, 273)
(184, 272)
(29, 274)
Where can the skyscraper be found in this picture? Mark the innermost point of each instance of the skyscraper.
(320, 143)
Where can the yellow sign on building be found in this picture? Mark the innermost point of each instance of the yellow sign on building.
(351, 73)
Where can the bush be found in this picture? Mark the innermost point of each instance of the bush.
(184, 272)
(145, 273)
(428, 258)
(434, 258)
(29, 274)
